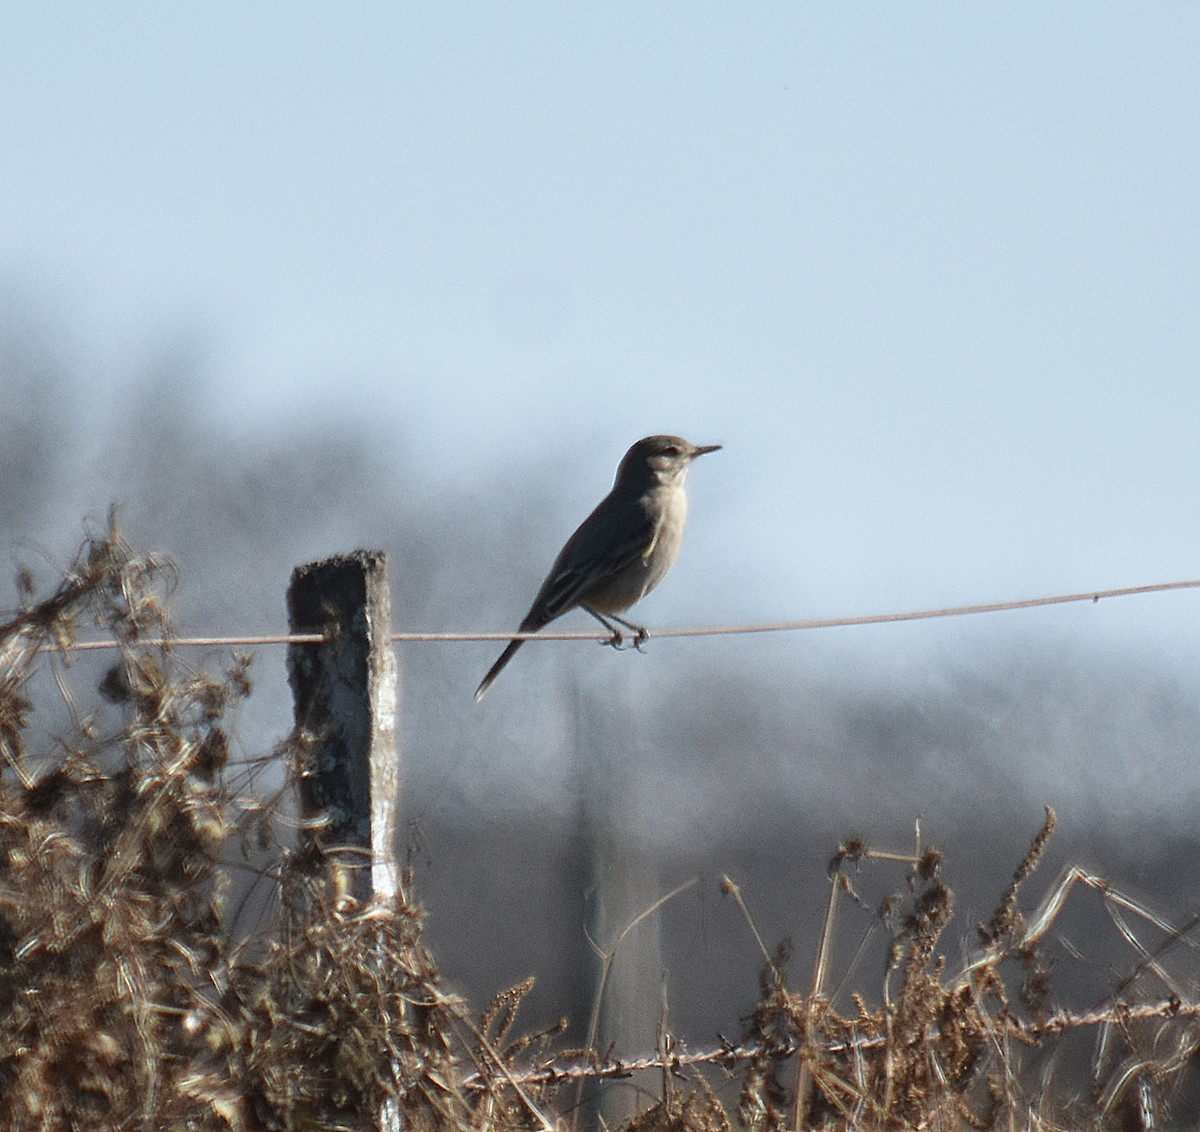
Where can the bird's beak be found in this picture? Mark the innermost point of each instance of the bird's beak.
(705, 448)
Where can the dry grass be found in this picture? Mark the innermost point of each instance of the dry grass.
(133, 994)
(126, 999)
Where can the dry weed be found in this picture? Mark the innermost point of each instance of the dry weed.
(129, 997)
(135, 992)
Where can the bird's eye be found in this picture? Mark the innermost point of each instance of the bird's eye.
(672, 449)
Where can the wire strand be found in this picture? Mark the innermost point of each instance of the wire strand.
(404, 637)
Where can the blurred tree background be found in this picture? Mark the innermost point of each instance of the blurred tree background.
(752, 757)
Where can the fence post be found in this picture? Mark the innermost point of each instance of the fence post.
(344, 690)
(622, 883)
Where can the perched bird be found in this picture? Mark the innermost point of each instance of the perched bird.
(622, 550)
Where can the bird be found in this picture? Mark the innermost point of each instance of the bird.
(622, 550)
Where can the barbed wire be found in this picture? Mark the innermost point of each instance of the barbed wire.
(424, 637)
(593, 1066)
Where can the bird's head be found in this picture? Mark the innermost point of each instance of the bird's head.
(664, 459)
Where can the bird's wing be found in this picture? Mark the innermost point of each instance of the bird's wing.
(606, 542)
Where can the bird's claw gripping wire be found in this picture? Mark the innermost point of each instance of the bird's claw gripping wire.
(617, 640)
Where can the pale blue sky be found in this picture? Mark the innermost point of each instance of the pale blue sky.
(929, 272)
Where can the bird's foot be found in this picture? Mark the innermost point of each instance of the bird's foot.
(617, 639)
(640, 635)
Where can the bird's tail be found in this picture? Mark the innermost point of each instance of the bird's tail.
(496, 669)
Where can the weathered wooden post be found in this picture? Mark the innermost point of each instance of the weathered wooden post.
(344, 690)
(345, 703)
